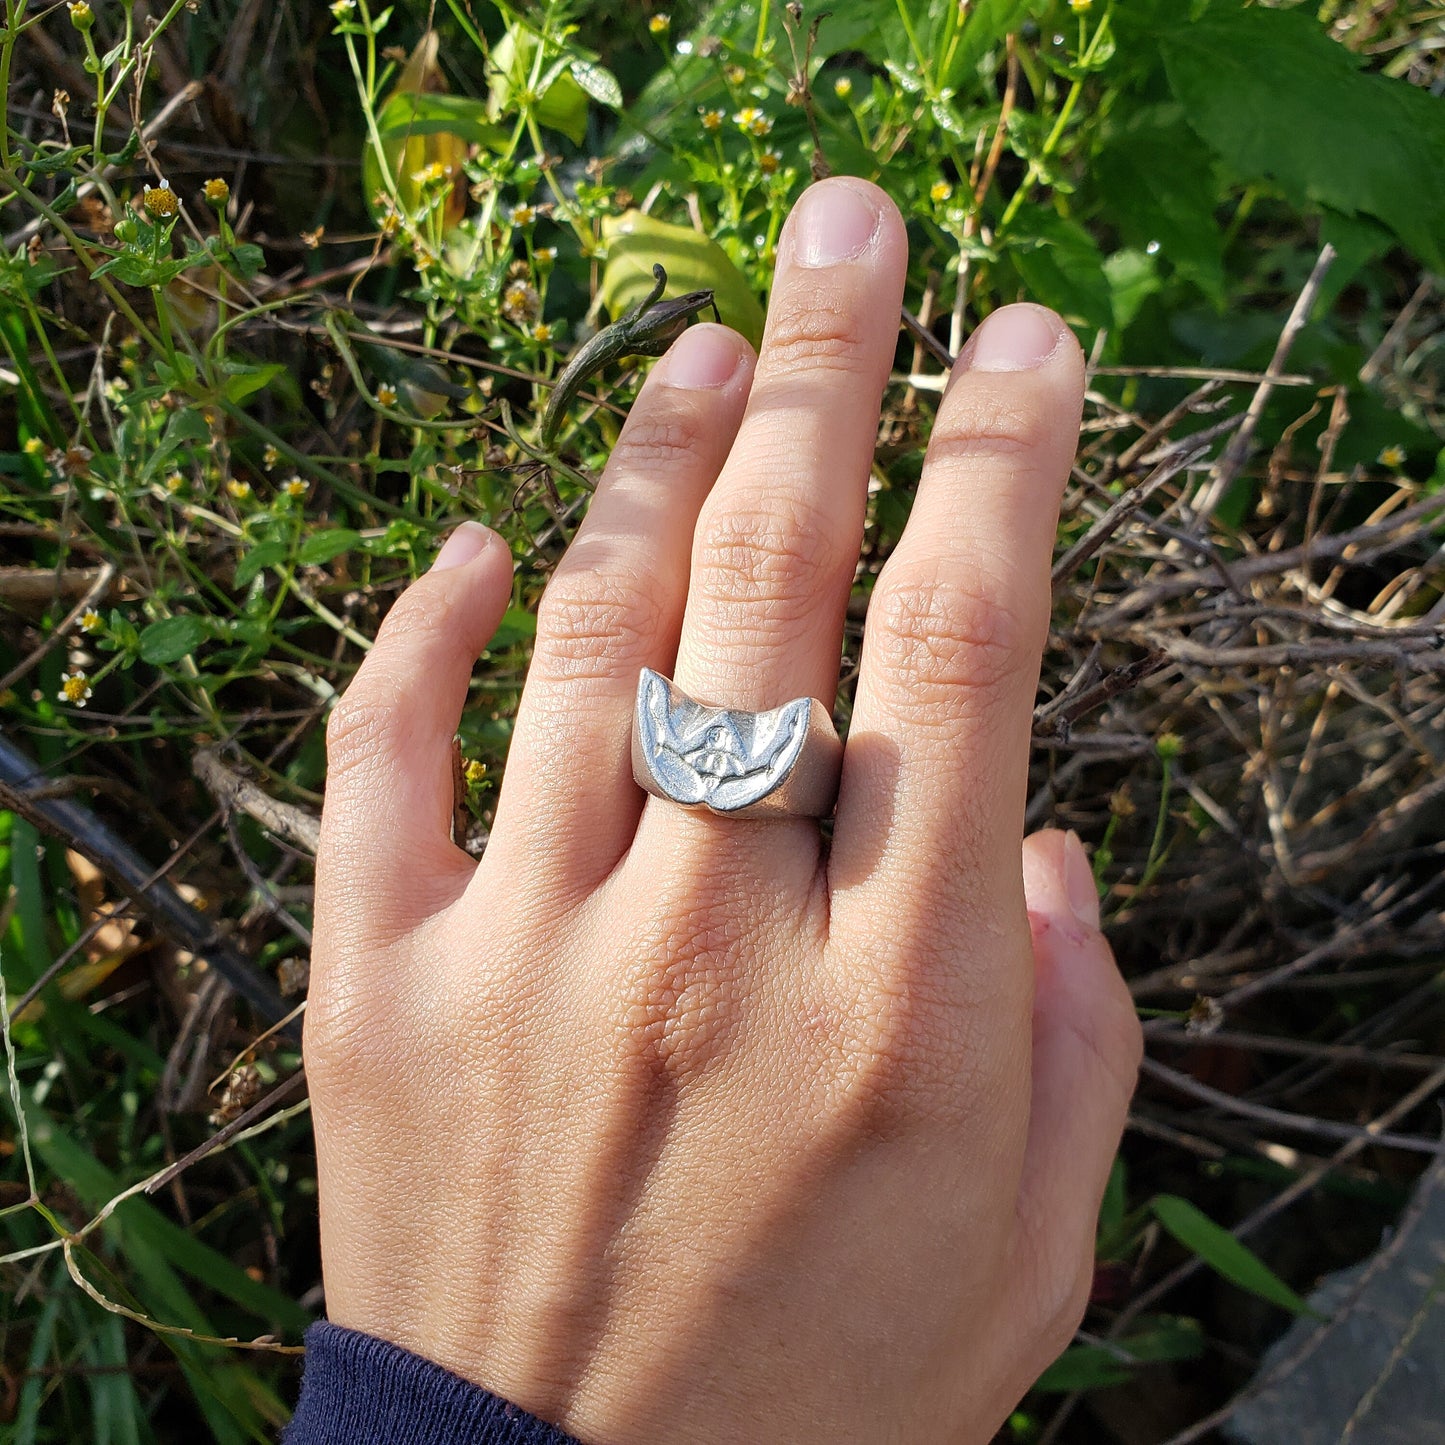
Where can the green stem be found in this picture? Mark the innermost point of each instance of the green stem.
(14, 14)
(1051, 144)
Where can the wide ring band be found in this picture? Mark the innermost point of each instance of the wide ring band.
(783, 763)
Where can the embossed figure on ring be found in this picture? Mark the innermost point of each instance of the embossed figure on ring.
(784, 762)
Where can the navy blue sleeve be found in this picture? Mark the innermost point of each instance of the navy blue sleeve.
(358, 1390)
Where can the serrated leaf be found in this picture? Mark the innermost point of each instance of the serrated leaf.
(1222, 1252)
(247, 259)
(265, 554)
(1155, 176)
(693, 262)
(1275, 98)
(171, 639)
(322, 547)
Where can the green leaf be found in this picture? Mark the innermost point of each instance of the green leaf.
(322, 547)
(1155, 178)
(1096, 1367)
(1223, 1253)
(562, 103)
(1275, 98)
(1083, 1367)
(410, 114)
(171, 639)
(267, 554)
(247, 259)
(1133, 278)
(598, 82)
(517, 625)
(244, 379)
(694, 262)
(1061, 266)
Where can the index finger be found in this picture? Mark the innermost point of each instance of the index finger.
(930, 814)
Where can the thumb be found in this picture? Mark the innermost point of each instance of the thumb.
(1087, 1044)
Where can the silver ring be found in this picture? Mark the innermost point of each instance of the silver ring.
(783, 763)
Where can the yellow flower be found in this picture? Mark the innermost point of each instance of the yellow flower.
(216, 191)
(475, 772)
(542, 333)
(735, 75)
(940, 191)
(160, 202)
(91, 620)
(270, 457)
(238, 489)
(1081, 7)
(711, 119)
(294, 487)
(843, 87)
(175, 483)
(1393, 456)
(769, 162)
(81, 15)
(342, 8)
(523, 215)
(659, 24)
(74, 689)
(752, 120)
(34, 447)
(386, 394)
(432, 174)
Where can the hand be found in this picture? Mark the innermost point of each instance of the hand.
(676, 1127)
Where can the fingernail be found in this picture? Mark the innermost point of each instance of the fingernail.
(703, 356)
(1014, 338)
(469, 540)
(1079, 882)
(834, 221)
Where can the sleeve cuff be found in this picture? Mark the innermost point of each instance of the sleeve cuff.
(359, 1390)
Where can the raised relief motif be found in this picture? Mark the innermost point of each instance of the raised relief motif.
(723, 759)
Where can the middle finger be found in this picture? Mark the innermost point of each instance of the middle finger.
(776, 544)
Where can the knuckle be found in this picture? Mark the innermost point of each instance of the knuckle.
(816, 332)
(361, 723)
(937, 639)
(780, 554)
(596, 623)
(987, 421)
(661, 441)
